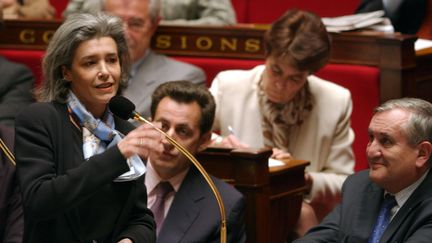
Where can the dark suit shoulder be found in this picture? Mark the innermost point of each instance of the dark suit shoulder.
(41, 110)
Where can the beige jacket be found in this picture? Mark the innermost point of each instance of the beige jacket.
(325, 138)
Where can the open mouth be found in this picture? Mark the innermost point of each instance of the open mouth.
(104, 85)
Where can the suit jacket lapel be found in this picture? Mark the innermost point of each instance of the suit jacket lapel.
(420, 194)
(368, 211)
(184, 208)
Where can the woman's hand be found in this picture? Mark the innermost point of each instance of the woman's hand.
(280, 154)
(141, 141)
(229, 141)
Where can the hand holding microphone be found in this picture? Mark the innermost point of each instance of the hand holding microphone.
(141, 140)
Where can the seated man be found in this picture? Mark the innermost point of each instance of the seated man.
(399, 153)
(184, 12)
(190, 212)
(149, 69)
(15, 87)
(15, 90)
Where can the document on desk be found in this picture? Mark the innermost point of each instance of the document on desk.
(275, 162)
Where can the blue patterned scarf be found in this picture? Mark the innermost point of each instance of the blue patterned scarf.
(99, 135)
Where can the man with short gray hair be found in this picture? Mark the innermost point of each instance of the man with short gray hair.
(392, 201)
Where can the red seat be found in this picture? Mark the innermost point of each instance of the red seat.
(31, 58)
(60, 6)
(265, 12)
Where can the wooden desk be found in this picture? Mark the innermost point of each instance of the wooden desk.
(273, 196)
(392, 53)
(424, 75)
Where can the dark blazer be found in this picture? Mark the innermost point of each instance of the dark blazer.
(407, 19)
(67, 199)
(194, 214)
(11, 213)
(16, 84)
(352, 221)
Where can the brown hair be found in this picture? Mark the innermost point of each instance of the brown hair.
(187, 92)
(301, 38)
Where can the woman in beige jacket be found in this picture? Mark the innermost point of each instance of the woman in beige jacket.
(281, 105)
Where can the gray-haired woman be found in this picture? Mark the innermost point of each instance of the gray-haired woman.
(81, 178)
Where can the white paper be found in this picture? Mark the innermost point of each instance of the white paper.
(274, 162)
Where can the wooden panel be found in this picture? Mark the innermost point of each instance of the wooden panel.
(273, 195)
(392, 53)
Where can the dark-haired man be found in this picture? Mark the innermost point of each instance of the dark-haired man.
(191, 214)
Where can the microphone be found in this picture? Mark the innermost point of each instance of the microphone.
(125, 109)
(122, 107)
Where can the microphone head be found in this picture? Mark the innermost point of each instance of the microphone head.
(121, 107)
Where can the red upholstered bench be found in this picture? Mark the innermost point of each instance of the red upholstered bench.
(362, 81)
(31, 58)
(265, 12)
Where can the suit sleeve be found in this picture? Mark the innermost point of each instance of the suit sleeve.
(219, 12)
(329, 229)
(327, 184)
(196, 75)
(46, 193)
(139, 228)
(18, 91)
(236, 224)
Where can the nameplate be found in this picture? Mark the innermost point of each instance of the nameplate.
(244, 41)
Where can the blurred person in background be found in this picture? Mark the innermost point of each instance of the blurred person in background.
(28, 9)
(180, 12)
(149, 69)
(15, 87)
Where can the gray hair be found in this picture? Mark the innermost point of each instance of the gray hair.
(60, 52)
(154, 9)
(419, 126)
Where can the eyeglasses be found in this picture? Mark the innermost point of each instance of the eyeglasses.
(134, 23)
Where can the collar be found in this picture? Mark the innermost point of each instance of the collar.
(152, 179)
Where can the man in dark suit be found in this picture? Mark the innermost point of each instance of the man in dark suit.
(11, 213)
(406, 15)
(399, 153)
(16, 84)
(191, 214)
(15, 89)
(149, 70)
